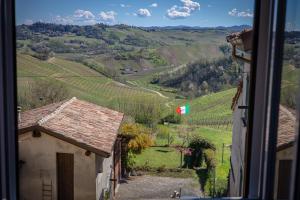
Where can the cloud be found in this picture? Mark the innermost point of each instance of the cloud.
(28, 22)
(125, 6)
(191, 5)
(63, 20)
(183, 11)
(143, 12)
(109, 16)
(85, 17)
(177, 13)
(236, 13)
(209, 6)
(154, 5)
(85, 14)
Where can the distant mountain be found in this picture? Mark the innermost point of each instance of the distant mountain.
(235, 28)
(183, 27)
(60, 27)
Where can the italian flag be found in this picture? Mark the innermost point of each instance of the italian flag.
(183, 110)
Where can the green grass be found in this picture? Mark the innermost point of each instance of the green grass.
(290, 76)
(170, 157)
(214, 106)
(219, 137)
(158, 157)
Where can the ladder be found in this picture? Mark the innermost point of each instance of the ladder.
(47, 191)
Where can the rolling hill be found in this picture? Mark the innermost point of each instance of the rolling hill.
(82, 81)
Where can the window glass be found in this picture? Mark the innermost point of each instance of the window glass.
(133, 99)
(289, 101)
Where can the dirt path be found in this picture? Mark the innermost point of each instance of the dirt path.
(156, 188)
(147, 89)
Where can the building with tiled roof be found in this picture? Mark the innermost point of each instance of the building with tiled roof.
(69, 150)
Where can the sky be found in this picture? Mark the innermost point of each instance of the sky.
(204, 13)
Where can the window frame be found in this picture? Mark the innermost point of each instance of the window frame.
(266, 71)
(8, 102)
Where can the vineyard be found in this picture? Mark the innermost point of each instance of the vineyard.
(82, 81)
(212, 110)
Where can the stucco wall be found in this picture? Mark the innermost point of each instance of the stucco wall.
(104, 170)
(237, 152)
(239, 132)
(39, 155)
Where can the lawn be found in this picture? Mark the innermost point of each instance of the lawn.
(170, 158)
(159, 156)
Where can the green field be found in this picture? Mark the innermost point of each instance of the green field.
(82, 81)
(114, 73)
(215, 106)
(168, 157)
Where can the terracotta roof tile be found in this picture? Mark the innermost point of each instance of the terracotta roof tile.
(287, 127)
(31, 117)
(84, 123)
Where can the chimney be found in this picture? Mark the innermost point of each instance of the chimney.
(19, 113)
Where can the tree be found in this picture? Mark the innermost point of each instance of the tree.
(225, 49)
(198, 146)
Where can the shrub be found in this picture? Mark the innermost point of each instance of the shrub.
(140, 137)
(198, 145)
(42, 93)
(221, 188)
(171, 118)
(130, 162)
(210, 159)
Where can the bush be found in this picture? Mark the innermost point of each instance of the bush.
(140, 137)
(210, 159)
(198, 145)
(130, 162)
(221, 189)
(42, 93)
(171, 118)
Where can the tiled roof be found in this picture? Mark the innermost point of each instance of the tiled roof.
(241, 39)
(286, 128)
(87, 125)
(31, 117)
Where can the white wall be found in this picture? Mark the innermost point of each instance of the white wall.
(39, 155)
(104, 171)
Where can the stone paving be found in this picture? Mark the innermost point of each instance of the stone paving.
(156, 188)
